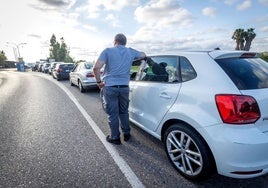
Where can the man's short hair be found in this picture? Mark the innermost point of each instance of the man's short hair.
(120, 39)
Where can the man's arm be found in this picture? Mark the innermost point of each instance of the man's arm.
(96, 70)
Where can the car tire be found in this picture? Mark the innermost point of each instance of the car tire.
(82, 90)
(188, 152)
(71, 83)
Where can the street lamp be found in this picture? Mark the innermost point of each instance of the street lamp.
(18, 49)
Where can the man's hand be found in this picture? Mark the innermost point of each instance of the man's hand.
(101, 85)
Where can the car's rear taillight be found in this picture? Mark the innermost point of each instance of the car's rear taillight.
(90, 75)
(237, 109)
(59, 70)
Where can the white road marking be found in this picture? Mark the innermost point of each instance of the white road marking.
(121, 163)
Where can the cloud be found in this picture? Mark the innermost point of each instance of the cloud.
(164, 13)
(95, 8)
(90, 27)
(209, 11)
(245, 5)
(118, 5)
(52, 5)
(34, 36)
(230, 2)
(264, 29)
(263, 19)
(112, 20)
(58, 3)
(264, 2)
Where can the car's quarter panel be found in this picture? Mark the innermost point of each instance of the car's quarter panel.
(261, 96)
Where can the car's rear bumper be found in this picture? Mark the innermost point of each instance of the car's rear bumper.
(240, 151)
(89, 84)
(62, 75)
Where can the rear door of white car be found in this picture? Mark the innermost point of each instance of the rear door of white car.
(152, 91)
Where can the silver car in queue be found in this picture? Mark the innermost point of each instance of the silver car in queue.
(82, 76)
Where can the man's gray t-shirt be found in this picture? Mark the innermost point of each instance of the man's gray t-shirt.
(118, 61)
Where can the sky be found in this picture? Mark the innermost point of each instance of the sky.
(152, 26)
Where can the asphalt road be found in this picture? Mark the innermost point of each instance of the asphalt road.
(51, 135)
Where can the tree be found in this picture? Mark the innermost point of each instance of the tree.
(3, 58)
(264, 56)
(54, 47)
(59, 51)
(241, 36)
(249, 36)
(238, 36)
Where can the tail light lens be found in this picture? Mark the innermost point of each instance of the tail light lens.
(237, 109)
(90, 74)
(59, 70)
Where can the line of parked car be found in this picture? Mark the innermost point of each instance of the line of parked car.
(80, 74)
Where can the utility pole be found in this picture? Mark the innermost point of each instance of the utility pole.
(16, 49)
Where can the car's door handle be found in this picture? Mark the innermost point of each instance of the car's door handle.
(165, 95)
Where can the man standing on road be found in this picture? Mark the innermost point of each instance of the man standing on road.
(117, 61)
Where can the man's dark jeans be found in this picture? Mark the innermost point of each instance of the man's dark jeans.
(116, 106)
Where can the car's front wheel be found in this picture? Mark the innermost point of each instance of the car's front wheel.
(188, 152)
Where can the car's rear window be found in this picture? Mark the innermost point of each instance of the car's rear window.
(88, 65)
(67, 66)
(246, 73)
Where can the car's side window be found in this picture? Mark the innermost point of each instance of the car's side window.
(187, 70)
(156, 69)
(134, 69)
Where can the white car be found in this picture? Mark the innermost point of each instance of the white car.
(82, 76)
(209, 108)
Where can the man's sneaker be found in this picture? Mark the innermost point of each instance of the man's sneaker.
(127, 137)
(117, 141)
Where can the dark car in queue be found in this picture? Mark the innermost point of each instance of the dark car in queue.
(62, 71)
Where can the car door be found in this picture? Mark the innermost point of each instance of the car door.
(152, 94)
(74, 74)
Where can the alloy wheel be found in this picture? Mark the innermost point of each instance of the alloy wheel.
(184, 153)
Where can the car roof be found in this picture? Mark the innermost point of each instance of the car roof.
(215, 54)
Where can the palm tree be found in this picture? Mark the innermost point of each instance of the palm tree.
(238, 36)
(249, 36)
